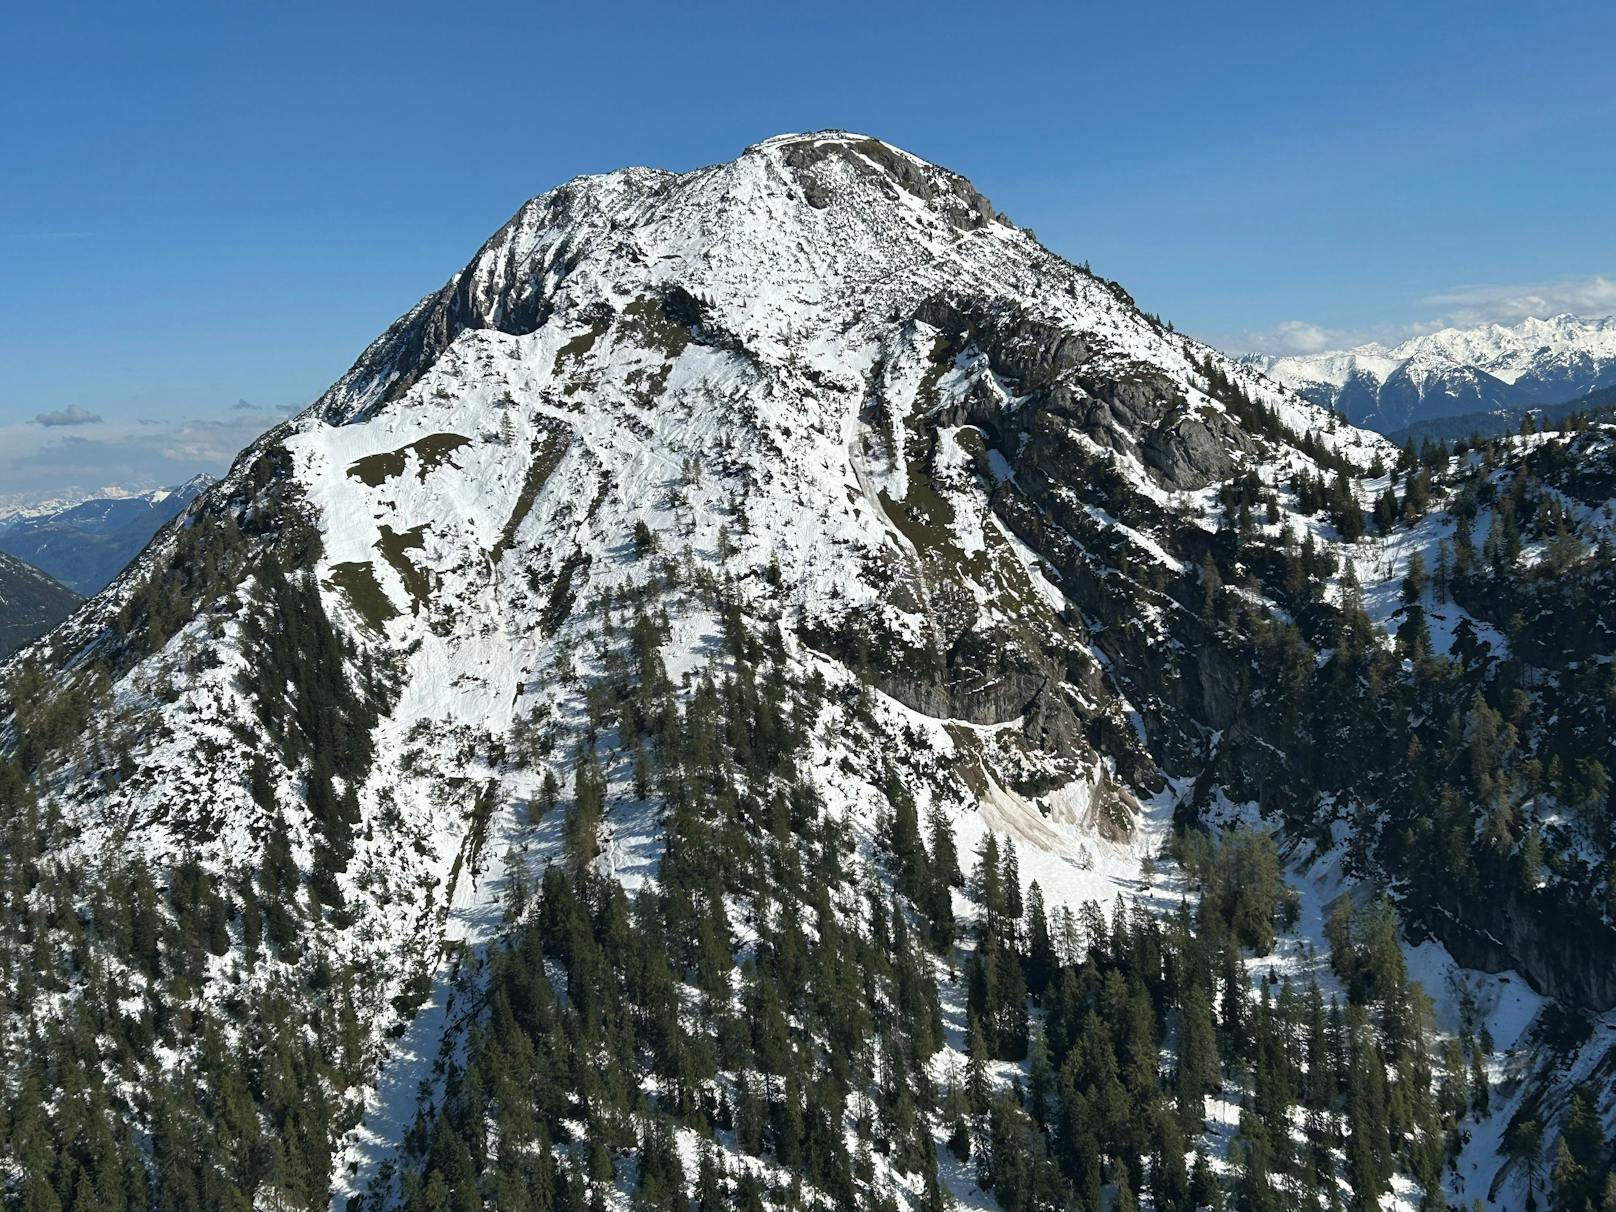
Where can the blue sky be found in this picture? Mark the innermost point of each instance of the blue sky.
(206, 211)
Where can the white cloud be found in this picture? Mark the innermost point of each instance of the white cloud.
(1298, 336)
(40, 460)
(1305, 337)
(1591, 295)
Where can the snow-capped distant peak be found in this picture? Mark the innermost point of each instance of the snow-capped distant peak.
(14, 506)
(85, 540)
(1456, 370)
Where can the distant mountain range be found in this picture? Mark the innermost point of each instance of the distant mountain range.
(1455, 372)
(86, 544)
(31, 603)
(1598, 405)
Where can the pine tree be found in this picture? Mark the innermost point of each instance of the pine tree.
(1041, 962)
(1011, 880)
(583, 819)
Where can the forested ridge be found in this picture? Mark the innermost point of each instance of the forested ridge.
(769, 1007)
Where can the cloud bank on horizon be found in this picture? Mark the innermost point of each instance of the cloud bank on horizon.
(74, 453)
(1467, 306)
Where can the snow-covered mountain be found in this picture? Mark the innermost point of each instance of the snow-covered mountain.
(1455, 371)
(761, 513)
(86, 543)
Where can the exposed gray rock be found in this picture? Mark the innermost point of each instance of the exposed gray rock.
(1189, 455)
(956, 197)
(1573, 966)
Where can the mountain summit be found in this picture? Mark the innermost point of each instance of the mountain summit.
(544, 773)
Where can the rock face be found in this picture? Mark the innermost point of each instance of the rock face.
(885, 169)
(1128, 406)
(1573, 963)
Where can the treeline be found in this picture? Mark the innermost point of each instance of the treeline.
(318, 698)
(1261, 419)
(770, 1007)
(1488, 765)
(175, 1036)
(95, 1120)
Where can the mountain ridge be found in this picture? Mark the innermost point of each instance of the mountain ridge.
(1455, 370)
(86, 543)
(31, 603)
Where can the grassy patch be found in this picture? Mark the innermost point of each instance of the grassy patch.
(648, 322)
(548, 449)
(393, 546)
(942, 357)
(431, 452)
(581, 344)
(357, 579)
(924, 516)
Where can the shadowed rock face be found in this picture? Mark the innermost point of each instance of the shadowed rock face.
(1057, 402)
(1528, 933)
(1194, 452)
(1127, 406)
